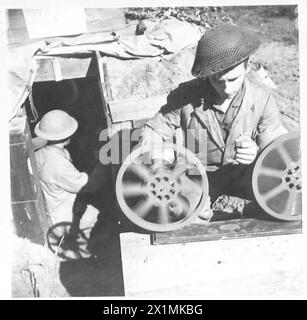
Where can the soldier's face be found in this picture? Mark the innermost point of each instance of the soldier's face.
(227, 83)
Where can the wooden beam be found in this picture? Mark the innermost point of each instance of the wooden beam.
(228, 229)
(102, 89)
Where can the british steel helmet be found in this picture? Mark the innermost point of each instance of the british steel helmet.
(222, 47)
(56, 125)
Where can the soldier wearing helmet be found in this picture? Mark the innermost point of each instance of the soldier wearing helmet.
(60, 180)
(233, 117)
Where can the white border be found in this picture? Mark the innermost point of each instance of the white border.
(4, 156)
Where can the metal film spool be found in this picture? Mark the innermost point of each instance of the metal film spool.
(150, 197)
(277, 182)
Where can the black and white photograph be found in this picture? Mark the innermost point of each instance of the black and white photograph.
(155, 151)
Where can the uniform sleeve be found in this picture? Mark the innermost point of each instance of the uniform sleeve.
(168, 119)
(70, 179)
(270, 126)
(150, 136)
(165, 122)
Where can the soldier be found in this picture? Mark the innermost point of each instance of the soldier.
(234, 118)
(61, 181)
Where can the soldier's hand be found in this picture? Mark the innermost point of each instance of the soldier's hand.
(246, 150)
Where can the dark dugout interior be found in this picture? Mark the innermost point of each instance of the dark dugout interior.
(81, 99)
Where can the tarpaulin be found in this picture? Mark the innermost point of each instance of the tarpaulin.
(161, 37)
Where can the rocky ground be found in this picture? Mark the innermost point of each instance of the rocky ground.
(35, 271)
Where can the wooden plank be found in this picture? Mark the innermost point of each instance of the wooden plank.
(18, 131)
(26, 194)
(105, 79)
(265, 266)
(231, 229)
(135, 108)
(23, 187)
(70, 68)
(23, 184)
(45, 70)
(27, 222)
(106, 120)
